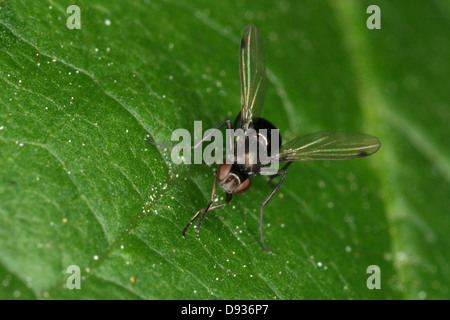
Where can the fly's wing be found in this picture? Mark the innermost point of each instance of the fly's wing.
(252, 71)
(329, 146)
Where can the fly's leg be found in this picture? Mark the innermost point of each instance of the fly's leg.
(228, 199)
(208, 208)
(270, 178)
(198, 144)
(280, 172)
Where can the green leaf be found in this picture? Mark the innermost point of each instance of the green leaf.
(79, 185)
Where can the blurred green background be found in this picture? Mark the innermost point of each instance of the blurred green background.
(79, 185)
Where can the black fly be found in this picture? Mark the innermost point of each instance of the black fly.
(235, 177)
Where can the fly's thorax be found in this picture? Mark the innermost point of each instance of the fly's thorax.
(254, 147)
(231, 179)
(248, 151)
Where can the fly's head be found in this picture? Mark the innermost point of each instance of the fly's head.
(232, 180)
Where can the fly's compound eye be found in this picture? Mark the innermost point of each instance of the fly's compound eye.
(222, 172)
(244, 186)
